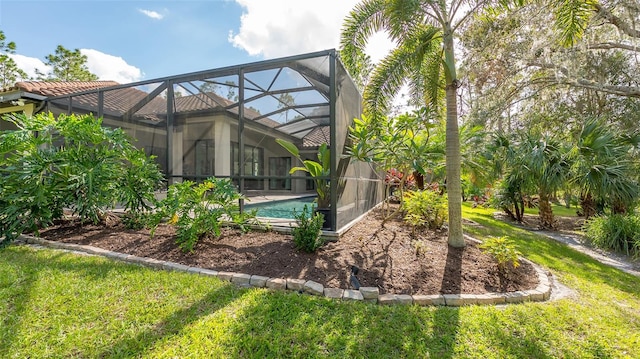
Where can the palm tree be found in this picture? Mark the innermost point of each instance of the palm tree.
(545, 160)
(423, 32)
(603, 169)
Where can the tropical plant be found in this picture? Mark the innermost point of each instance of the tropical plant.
(425, 209)
(503, 250)
(544, 158)
(399, 146)
(307, 235)
(424, 32)
(73, 162)
(603, 167)
(200, 209)
(318, 170)
(528, 162)
(507, 195)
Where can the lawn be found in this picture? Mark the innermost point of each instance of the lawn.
(558, 210)
(56, 304)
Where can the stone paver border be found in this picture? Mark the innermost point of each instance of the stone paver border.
(369, 294)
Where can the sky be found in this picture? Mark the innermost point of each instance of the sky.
(129, 41)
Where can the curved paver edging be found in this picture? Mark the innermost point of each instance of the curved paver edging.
(369, 294)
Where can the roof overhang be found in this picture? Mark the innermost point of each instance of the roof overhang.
(10, 96)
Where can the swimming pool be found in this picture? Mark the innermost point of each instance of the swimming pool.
(281, 209)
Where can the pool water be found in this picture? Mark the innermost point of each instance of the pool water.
(281, 209)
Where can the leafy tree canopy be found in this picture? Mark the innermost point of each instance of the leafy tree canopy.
(9, 71)
(67, 65)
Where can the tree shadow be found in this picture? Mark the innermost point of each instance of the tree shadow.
(452, 279)
(173, 324)
(308, 326)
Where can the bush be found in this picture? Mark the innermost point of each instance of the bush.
(307, 235)
(503, 250)
(199, 209)
(48, 164)
(425, 209)
(616, 232)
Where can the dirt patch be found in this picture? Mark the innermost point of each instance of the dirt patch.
(388, 257)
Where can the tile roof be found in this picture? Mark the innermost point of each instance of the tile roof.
(316, 137)
(58, 88)
(118, 101)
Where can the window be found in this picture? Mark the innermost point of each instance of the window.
(253, 165)
(279, 166)
(204, 158)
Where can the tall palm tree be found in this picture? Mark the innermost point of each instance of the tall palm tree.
(423, 31)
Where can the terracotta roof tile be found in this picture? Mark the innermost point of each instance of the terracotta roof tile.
(119, 101)
(58, 88)
(316, 137)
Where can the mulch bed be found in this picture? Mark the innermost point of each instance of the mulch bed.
(388, 257)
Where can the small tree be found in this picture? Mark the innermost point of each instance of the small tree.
(400, 144)
(9, 71)
(603, 167)
(67, 65)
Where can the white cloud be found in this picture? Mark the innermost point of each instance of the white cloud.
(112, 68)
(152, 14)
(106, 67)
(30, 64)
(278, 28)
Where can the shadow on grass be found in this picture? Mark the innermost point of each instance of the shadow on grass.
(292, 325)
(173, 324)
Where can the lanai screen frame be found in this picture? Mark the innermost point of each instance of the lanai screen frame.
(355, 187)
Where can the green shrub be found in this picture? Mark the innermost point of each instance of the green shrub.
(616, 232)
(425, 209)
(307, 235)
(503, 250)
(199, 209)
(50, 163)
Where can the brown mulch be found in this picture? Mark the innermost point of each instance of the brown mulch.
(388, 257)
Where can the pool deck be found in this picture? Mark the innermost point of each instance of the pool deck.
(273, 197)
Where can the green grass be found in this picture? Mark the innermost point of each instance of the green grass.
(55, 304)
(558, 210)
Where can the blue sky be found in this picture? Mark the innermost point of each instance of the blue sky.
(129, 41)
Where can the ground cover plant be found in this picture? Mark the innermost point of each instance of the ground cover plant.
(56, 304)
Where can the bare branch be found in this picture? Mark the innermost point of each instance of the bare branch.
(613, 45)
(616, 21)
(626, 91)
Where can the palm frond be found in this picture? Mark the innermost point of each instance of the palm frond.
(387, 79)
(366, 18)
(572, 18)
(402, 17)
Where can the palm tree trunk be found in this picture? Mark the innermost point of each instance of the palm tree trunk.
(545, 211)
(453, 157)
(588, 205)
